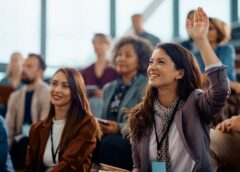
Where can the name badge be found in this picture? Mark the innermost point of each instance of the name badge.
(158, 166)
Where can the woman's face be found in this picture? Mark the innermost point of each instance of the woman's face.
(162, 72)
(60, 93)
(212, 33)
(126, 60)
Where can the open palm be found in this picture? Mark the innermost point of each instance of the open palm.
(198, 29)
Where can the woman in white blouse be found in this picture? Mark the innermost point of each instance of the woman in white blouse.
(66, 139)
(169, 130)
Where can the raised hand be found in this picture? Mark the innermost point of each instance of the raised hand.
(198, 29)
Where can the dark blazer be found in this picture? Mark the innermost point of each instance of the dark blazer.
(132, 97)
(192, 122)
(76, 157)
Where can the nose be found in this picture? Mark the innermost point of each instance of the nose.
(57, 88)
(152, 66)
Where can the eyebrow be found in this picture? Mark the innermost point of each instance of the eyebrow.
(158, 58)
(64, 82)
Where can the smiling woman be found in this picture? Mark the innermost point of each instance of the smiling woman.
(169, 127)
(51, 146)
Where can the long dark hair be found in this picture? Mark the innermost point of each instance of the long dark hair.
(140, 117)
(78, 108)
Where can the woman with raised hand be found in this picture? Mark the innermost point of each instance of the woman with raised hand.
(65, 140)
(170, 127)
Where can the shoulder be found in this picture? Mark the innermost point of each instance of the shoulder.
(110, 85)
(43, 88)
(141, 81)
(88, 69)
(35, 128)
(5, 80)
(88, 125)
(225, 48)
(16, 94)
(89, 120)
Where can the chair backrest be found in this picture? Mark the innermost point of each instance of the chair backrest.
(5, 92)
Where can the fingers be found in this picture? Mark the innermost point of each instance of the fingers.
(225, 126)
(200, 15)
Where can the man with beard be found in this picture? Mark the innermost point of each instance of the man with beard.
(26, 106)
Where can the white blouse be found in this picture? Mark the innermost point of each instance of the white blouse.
(179, 157)
(57, 128)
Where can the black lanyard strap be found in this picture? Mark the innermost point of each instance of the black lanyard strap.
(159, 142)
(54, 154)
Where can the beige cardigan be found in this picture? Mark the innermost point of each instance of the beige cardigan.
(15, 111)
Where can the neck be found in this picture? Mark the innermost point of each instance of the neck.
(101, 59)
(61, 112)
(139, 30)
(166, 97)
(128, 77)
(32, 87)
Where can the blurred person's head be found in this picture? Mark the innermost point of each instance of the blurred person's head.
(15, 65)
(33, 68)
(137, 23)
(217, 32)
(190, 17)
(131, 55)
(101, 44)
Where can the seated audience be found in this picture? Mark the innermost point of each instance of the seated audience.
(131, 55)
(26, 106)
(65, 140)
(14, 71)
(5, 160)
(99, 73)
(170, 127)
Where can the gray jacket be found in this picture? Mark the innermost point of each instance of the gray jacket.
(132, 97)
(192, 122)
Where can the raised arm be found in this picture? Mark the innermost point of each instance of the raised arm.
(212, 101)
(198, 30)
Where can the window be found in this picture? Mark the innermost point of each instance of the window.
(124, 11)
(70, 28)
(20, 27)
(160, 22)
(214, 8)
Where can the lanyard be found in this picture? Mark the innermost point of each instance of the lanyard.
(54, 154)
(159, 142)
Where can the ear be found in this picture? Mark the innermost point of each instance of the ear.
(180, 74)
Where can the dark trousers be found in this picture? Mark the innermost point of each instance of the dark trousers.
(114, 150)
(18, 152)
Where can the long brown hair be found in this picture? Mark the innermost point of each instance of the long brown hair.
(140, 117)
(78, 108)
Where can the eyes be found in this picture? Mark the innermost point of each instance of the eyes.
(64, 85)
(127, 55)
(158, 61)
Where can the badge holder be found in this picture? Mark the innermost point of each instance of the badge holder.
(158, 166)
